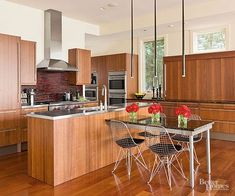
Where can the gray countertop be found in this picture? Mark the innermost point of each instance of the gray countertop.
(57, 104)
(62, 114)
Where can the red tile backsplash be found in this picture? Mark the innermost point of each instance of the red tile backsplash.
(51, 86)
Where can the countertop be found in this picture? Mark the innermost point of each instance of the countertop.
(62, 114)
(57, 104)
(187, 101)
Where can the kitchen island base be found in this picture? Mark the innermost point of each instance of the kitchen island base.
(64, 149)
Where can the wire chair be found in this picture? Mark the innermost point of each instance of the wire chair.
(165, 151)
(143, 134)
(184, 139)
(123, 138)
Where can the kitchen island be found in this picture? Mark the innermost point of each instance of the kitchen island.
(63, 145)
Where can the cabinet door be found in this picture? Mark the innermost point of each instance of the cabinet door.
(81, 59)
(116, 62)
(9, 72)
(28, 72)
(9, 128)
(23, 120)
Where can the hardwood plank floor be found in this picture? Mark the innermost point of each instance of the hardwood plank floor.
(14, 180)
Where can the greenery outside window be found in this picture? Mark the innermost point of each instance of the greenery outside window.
(148, 76)
(209, 40)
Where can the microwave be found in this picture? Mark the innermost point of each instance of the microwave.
(117, 82)
(91, 92)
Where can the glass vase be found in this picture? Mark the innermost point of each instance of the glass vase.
(155, 118)
(132, 116)
(182, 121)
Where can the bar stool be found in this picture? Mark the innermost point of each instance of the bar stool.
(123, 138)
(165, 151)
(184, 140)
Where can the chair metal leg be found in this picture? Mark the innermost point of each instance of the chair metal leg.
(129, 161)
(155, 169)
(119, 158)
(181, 171)
(142, 161)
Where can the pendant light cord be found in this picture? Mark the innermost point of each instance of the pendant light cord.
(155, 38)
(183, 41)
(132, 36)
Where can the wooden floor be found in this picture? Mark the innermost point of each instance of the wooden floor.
(14, 179)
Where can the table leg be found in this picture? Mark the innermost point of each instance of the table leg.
(208, 153)
(191, 161)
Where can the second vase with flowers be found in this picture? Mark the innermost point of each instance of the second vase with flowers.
(155, 111)
(132, 110)
(183, 113)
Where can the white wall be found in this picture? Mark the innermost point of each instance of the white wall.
(28, 23)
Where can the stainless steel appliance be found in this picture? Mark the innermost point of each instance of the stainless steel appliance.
(32, 95)
(117, 82)
(67, 96)
(91, 92)
(117, 98)
(53, 44)
(63, 105)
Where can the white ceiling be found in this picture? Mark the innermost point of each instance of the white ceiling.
(89, 10)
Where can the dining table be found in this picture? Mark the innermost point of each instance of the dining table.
(191, 129)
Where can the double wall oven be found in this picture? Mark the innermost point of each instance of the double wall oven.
(117, 87)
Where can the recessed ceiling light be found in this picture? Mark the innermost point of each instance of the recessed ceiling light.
(102, 8)
(171, 26)
(112, 5)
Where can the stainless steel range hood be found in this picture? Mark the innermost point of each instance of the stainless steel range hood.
(53, 44)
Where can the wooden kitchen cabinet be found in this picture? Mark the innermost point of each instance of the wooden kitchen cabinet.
(9, 127)
(116, 62)
(209, 77)
(9, 72)
(28, 70)
(23, 120)
(82, 59)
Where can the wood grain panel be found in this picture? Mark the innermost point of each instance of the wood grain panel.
(28, 70)
(71, 147)
(9, 127)
(9, 72)
(209, 77)
(82, 60)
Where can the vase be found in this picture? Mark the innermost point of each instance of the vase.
(155, 117)
(132, 116)
(182, 121)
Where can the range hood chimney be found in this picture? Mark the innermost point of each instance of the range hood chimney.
(53, 43)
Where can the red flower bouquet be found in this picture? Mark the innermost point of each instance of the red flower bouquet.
(155, 110)
(183, 113)
(132, 109)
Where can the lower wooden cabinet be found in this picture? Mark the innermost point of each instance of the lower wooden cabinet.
(9, 127)
(23, 120)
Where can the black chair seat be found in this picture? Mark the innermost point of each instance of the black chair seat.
(129, 143)
(146, 134)
(183, 138)
(165, 149)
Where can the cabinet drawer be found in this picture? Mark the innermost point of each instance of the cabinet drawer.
(9, 120)
(9, 137)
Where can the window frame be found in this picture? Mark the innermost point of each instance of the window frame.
(142, 59)
(195, 32)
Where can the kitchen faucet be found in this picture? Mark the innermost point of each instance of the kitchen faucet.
(104, 93)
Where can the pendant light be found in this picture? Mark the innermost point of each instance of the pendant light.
(132, 36)
(155, 38)
(183, 42)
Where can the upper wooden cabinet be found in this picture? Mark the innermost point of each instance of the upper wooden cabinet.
(82, 59)
(9, 72)
(116, 62)
(209, 77)
(28, 70)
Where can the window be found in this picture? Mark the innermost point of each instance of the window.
(149, 64)
(209, 40)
